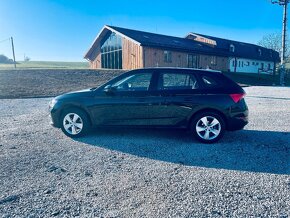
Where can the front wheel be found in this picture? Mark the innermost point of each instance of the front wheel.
(208, 127)
(74, 123)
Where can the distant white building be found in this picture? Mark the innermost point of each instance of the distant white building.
(242, 65)
(243, 57)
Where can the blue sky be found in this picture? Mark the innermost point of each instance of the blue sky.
(63, 30)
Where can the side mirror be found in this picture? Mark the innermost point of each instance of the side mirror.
(109, 90)
(126, 86)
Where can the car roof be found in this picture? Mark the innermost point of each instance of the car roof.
(180, 68)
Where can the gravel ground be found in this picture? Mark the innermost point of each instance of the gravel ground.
(145, 173)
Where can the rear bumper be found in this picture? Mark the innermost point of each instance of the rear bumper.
(238, 116)
(237, 122)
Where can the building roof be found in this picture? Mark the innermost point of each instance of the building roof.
(167, 42)
(243, 49)
(183, 44)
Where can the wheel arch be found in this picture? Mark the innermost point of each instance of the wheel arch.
(203, 110)
(78, 107)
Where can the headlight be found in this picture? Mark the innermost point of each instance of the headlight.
(52, 103)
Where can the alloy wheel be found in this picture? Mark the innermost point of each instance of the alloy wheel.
(73, 123)
(208, 128)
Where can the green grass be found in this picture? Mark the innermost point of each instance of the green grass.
(46, 65)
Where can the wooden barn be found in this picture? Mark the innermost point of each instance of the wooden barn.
(120, 48)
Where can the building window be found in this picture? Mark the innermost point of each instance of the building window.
(232, 48)
(192, 61)
(111, 52)
(213, 60)
(167, 56)
(260, 52)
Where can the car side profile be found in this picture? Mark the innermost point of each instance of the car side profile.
(205, 102)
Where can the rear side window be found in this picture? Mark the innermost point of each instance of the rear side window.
(177, 81)
(209, 81)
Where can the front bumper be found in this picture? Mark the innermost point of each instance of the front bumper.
(54, 115)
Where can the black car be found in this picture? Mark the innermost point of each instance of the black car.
(205, 102)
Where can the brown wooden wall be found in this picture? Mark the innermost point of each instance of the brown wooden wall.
(132, 55)
(222, 63)
(96, 63)
(155, 58)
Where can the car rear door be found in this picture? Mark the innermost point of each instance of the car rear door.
(175, 98)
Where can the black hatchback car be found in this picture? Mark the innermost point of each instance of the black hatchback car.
(204, 102)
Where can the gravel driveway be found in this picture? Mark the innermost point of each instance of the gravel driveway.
(145, 173)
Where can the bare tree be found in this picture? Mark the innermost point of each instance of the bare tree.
(26, 58)
(274, 41)
(5, 60)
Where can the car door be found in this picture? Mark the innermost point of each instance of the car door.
(126, 103)
(176, 97)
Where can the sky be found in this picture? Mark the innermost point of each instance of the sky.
(63, 30)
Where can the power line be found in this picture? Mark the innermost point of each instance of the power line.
(4, 40)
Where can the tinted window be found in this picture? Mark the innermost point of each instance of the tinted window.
(136, 82)
(177, 81)
(209, 81)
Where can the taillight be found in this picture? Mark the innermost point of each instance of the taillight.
(237, 97)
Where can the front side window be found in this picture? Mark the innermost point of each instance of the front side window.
(177, 81)
(167, 56)
(136, 82)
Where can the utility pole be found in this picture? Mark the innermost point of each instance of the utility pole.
(13, 51)
(283, 3)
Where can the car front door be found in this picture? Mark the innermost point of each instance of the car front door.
(175, 99)
(125, 102)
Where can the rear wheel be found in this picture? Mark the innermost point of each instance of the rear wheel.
(208, 127)
(74, 123)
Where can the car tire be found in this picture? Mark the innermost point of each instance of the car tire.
(207, 127)
(74, 122)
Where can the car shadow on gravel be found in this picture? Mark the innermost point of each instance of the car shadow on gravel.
(246, 150)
